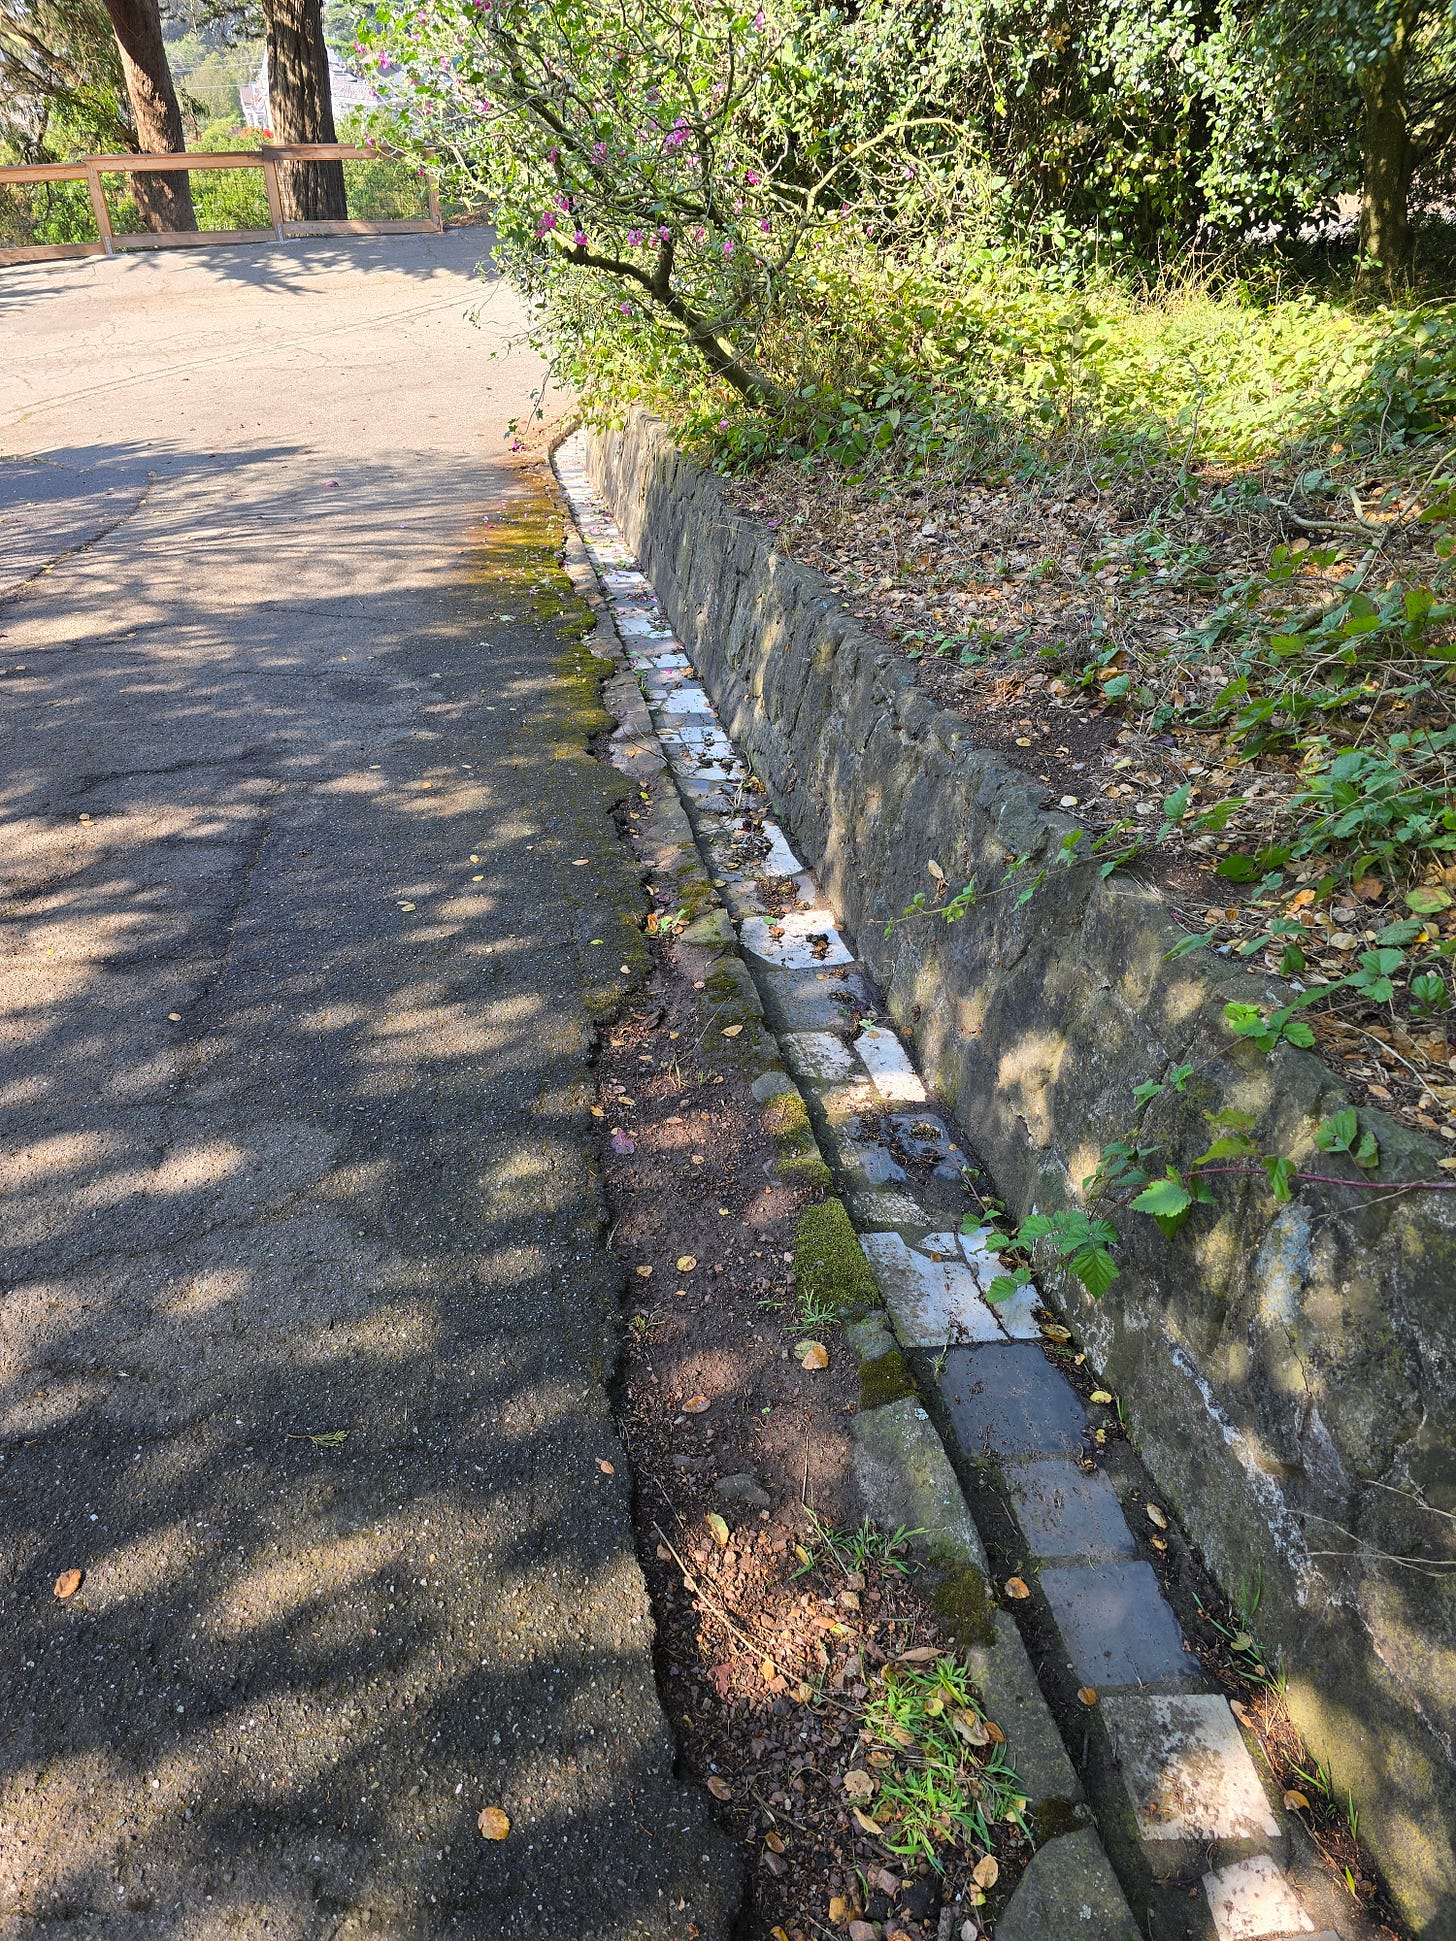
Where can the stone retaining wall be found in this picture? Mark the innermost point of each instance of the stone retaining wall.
(1288, 1372)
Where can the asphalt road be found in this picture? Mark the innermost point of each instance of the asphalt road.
(305, 1308)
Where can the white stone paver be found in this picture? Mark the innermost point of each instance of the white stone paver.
(888, 1064)
(780, 860)
(933, 1303)
(818, 1054)
(807, 939)
(685, 697)
(1252, 1901)
(1187, 1770)
(886, 1207)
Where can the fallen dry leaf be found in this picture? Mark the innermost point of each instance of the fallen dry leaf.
(1087, 1694)
(719, 1528)
(812, 1354)
(1101, 1395)
(731, 1030)
(607, 1469)
(68, 1583)
(987, 1871)
(1242, 1713)
(494, 1822)
(840, 1909)
(774, 1841)
(868, 1825)
(719, 1788)
(971, 1727)
(1017, 1587)
(1295, 1801)
(858, 1784)
(645, 1273)
(695, 1405)
(686, 1263)
(994, 1733)
(1158, 1518)
(1054, 1331)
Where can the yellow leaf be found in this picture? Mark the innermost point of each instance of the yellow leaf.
(494, 1823)
(696, 1404)
(1101, 1395)
(1241, 1642)
(719, 1788)
(731, 1030)
(936, 871)
(774, 1842)
(840, 1909)
(869, 1825)
(68, 1583)
(777, 1934)
(1054, 1331)
(719, 1528)
(987, 1871)
(802, 1554)
(1295, 1801)
(644, 1273)
(1157, 1517)
(1087, 1694)
(686, 1263)
(1017, 1587)
(766, 1669)
(1159, 1543)
(812, 1354)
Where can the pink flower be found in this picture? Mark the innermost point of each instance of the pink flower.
(753, 178)
(580, 239)
(764, 224)
(635, 238)
(759, 22)
(728, 247)
(599, 151)
(547, 222)
(664, 234)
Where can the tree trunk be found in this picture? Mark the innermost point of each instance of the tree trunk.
(301, 108)
(1385, 187)
(165, 201)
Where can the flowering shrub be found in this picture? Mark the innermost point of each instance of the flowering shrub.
(683, 157)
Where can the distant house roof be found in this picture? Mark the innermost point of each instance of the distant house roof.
(346, 89)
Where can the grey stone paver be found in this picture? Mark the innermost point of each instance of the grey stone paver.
(1068, 1893)
(1117, 1628)
(1066, 1511)
(1007, 1400)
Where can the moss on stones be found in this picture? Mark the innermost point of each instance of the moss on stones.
(829, 1263)
(963, 1598)
(885, 1379)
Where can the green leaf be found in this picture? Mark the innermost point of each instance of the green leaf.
(1233, 1145)
(1427, 902)
(1281, 1177)
(1298, 1032)
(1095, 1269)
(1367, 1153)
(1176, 804)
(1337, 1133)
(1165, 1196)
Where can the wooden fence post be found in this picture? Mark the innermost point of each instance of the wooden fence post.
(275, 199)
(98, 206)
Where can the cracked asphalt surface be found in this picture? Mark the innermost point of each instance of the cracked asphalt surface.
(305, 1310)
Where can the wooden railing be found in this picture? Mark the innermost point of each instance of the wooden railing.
(92, 167)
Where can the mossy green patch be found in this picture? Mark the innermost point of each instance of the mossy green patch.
(885, 1379)
(805, 1169)
(1051, 1818)
(829, 1263)
(963, 1598)
(787, 1118)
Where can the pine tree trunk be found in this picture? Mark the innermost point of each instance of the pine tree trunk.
(165, 201)
(1385, 188)
(301, 109)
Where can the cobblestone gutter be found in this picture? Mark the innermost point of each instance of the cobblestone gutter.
(1287, 1373)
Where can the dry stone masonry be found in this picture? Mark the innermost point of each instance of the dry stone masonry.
(1197, 1837)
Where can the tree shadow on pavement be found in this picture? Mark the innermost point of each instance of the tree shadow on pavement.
(305, 1312)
